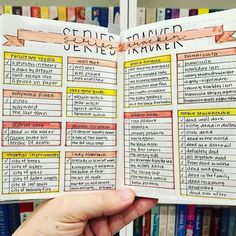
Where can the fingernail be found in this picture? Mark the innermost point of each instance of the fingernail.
(125, 194)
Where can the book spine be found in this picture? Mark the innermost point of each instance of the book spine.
(26, 208)
(44, 12)
(103, 18)
(181, 214)
(183, 12)
(168, 14)
(215, 10)
(61, 11)
(17, 10)
(88, 14)
(1, 10)
(171, 220)
(7, 9)
(53, 13)
(117, 15)
(137, 226)
(26, 11)
(141, 15)
(216, 218)
(202, 11)
(232, 220)
(96, 14)
(197, 221)
(190, 220)
(161, 14)
(193, 12)
(163, 220)
(110, 15)
(224, 222)
(4, 220)
(175, 13)
(35, 11)
(70, 13)
(147, 224)
(155, 214)
(150, 15)
(206, 221)
(80, 14)
(14, 217)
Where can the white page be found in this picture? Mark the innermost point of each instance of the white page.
(179, 126)
(58, 115)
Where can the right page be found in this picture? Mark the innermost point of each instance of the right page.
(179, 110)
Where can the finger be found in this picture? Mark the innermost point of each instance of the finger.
(90, 205)
(138, 208)
(100, 226)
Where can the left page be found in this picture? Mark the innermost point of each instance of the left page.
(58, 110)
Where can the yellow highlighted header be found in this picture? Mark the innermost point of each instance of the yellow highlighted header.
(148, 61)
(32, 57)
(93, 91)
(14, 155)
(207, 112)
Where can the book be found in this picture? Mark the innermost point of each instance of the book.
(163, 220)
(26, 209)
(181, 220)
(216, 221)
(53, 13)
(193, 12)
(61, 11)
(224, 221)
(232, 221)
(175, 13)
(95, 14)
(198, 221)
(161, 14)
(152, 109)
(155, 214)
(16, 10)
(71, 15)
(80, 14)
(110, 15)
(168, 13)
(1, 10)
(183, 12)
(138, 226)
(147, 224)
(103, 18)
(14, 217)
(44, 12)
(203, 11)
(206, 221)
(171, 220)
(141, 15)
(35, 12)
(88, 14)
(150, 15)
(190, 218)
(4, 220)
(117, 15)
(7, 9)
(26, 11)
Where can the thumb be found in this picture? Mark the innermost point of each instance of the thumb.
(91, 205)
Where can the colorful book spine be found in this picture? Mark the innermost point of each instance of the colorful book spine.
(14, 217)
(26, 208)
(168, 13)
(197, 221)
(175, 13)
(70, 14)
(35, 11)
(80, 14)
(96, 14)
(202, 11)
(161, 14)
(232, 221)
(151, 15)
(190, 220)
(193, 12)
(103, 18)
(163, 220)
(117, 15)
(137, 226)
(206, 221)
(155, 214)
(4, 220)
(26, 11)
(224, 221)
(171, 220)
(141, 15)
(53, 13)
(16, 10)
(44, 12)
(7, 9)
(181, 214)
(215, 10)
(147, 224)
(61, 11)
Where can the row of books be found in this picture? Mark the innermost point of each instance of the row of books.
(186, 220)
(102, 16)
(150, 15)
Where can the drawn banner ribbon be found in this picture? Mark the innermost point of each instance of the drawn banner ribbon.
(218, 32)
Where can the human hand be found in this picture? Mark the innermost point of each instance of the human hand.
(88, 214)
